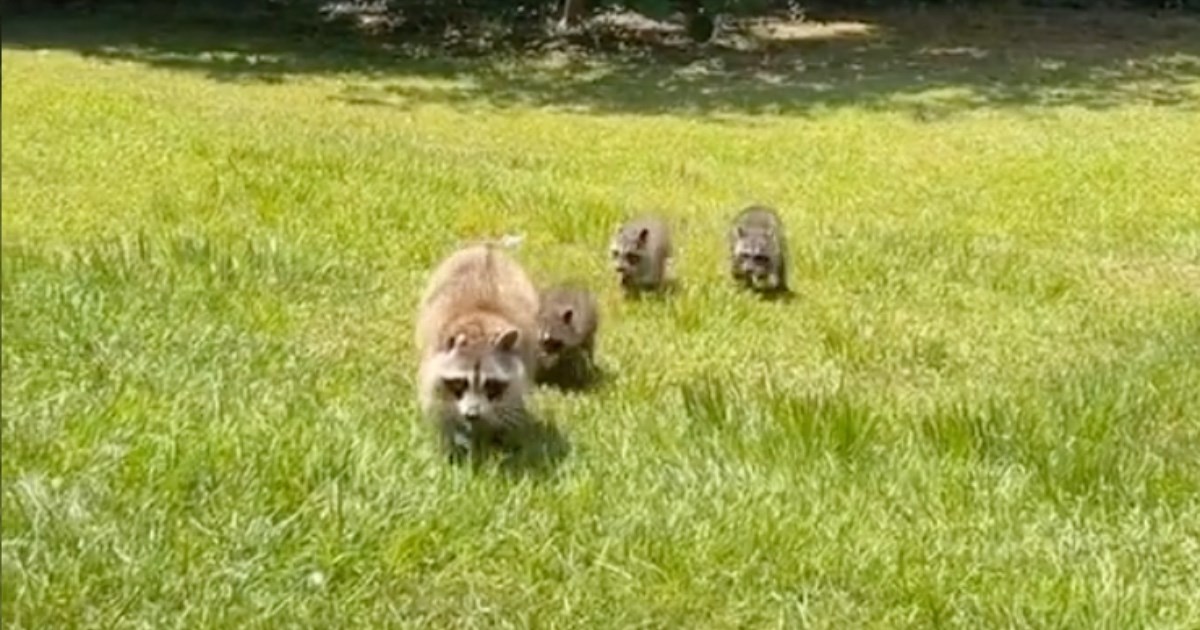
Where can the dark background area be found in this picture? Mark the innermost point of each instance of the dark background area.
(763, 57)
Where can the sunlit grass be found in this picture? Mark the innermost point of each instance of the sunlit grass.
(980, 409)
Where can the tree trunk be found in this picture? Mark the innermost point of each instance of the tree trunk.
(696, 21)
(572, 12)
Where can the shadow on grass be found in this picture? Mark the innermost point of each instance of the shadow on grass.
(533, 448)
(929, 64)
(670, 288)
(784, 295)
(576, 377)
(539, 452)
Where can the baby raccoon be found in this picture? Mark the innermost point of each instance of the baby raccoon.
(640, 251)
(567, 322)
(477, 335)
(758, 250)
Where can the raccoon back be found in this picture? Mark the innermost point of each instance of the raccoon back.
(659, 244)
(759, 218)
(476, 280)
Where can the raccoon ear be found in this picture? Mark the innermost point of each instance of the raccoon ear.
(740, 231)
(642, 236)
(453, 341)
(507, 340)
(568, 315)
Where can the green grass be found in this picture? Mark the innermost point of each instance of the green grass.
(981, 410)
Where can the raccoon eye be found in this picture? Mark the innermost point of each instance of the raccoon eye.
(494, 388)
(552, 345)
(633, 259)
(456, 386)
(760, 259)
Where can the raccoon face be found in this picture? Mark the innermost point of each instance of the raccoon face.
(557, 335)
(754, 255)
(628, 251)
(480, 383)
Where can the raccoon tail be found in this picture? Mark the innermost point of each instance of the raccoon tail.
(508, 241)
(511, 241)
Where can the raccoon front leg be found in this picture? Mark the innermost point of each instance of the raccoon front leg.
(740, 277)
(456, 445)
(781, 280)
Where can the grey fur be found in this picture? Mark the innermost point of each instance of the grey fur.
(568, 318)
(758, 255)
(639, 251)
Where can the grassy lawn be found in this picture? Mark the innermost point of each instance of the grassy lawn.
(982, 408)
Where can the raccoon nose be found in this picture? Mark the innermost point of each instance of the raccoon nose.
(472, 415)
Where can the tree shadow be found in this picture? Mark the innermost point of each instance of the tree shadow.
(930, 64)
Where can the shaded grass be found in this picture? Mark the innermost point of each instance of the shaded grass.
(979, 409)
(929, 64)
